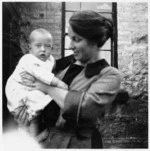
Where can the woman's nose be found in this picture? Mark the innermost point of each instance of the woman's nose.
(71, 46)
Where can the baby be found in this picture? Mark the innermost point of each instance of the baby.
(38, 63)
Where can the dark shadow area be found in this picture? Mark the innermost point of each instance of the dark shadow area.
(11, 52)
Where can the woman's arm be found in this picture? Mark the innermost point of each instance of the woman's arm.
(58, 94)
(85, 107)
(88, 105)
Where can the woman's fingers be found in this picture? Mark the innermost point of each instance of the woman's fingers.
(24, 117)
(27, 83)
(27, 76)
(42, 136)
(26, 121)
(21, 115)
(17, 114)
(23, 73)
(27, 79)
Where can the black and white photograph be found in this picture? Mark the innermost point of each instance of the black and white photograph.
(74, 75)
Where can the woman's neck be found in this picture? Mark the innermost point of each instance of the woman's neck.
(92, 60)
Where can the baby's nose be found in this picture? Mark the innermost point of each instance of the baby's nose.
(42, 48)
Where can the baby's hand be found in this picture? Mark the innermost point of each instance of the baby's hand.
(62, 85)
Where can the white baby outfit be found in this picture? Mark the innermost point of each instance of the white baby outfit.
(19, 95)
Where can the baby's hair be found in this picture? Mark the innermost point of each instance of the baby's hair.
(39, 30)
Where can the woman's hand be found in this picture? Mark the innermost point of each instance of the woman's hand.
(33, 83)
(21, 116)
(42, 136)
(62, 85)
(27, 79)
(39, 85)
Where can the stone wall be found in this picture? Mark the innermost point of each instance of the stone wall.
(126, 124)
(133, 47)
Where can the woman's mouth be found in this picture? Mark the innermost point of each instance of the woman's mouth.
(76, 53)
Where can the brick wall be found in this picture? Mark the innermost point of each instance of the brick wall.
(41, 15)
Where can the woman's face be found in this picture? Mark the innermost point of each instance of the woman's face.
(84, 51)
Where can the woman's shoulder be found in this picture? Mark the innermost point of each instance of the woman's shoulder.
(109, 70)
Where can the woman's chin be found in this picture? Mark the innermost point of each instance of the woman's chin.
(76, 57)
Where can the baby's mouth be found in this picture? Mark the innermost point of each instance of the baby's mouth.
(42, 55)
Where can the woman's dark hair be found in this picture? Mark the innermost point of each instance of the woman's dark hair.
(92, 26)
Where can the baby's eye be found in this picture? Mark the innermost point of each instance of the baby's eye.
(48, 46)
(38, 45)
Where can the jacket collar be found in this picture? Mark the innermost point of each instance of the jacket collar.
(91, 69)
(95, 68)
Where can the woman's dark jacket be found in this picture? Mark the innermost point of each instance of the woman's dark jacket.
(91, 90)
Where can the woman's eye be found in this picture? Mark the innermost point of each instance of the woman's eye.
(76, 39)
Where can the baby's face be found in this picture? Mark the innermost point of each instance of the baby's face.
(40, 46)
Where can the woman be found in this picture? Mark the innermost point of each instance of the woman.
(70, 120)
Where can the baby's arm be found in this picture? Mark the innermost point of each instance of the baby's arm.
(55, 81)
(58, 83)
(35, 68)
